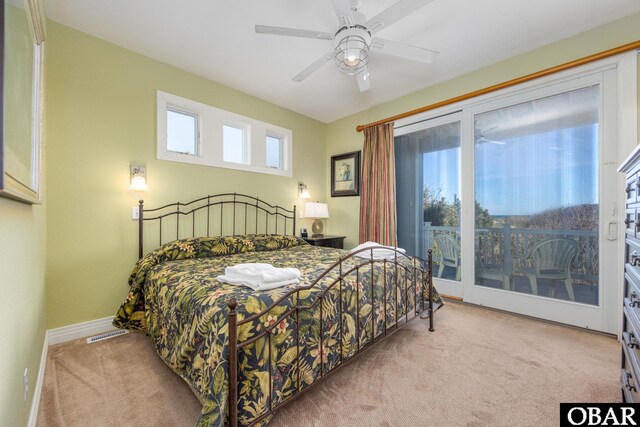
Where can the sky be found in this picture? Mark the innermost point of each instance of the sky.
(526, 174)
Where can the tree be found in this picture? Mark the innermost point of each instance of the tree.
(452, 213)
(483, 217)
(439, 212)
(576, 217)
(434, 206)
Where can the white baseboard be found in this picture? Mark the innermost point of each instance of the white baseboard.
(58, 336)
(35, 402)
(80, 330)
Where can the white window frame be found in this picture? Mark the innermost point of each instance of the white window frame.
(198, 145)
(210, 142)
(282, 139)
(170, 102)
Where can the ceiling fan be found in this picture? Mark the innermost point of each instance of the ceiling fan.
(356, 36)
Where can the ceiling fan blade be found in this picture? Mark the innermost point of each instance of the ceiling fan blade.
(394, 13)
(314, 67)
(403, 50)
(293, 32)
(344, 12)
(364, 80)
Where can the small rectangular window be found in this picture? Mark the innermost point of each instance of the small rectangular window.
(274, 152)
(182, 132)
(234, 144)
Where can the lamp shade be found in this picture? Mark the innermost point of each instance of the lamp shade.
(352, 49)
(138, 178)
(303, 191)
(138, 184)
(316, 210)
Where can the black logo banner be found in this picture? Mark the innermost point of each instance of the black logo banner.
(599, 414)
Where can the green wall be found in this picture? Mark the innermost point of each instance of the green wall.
(22, 284)
(101, 105)
(22, 246)
(342, 136)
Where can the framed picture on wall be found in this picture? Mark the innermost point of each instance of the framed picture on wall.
(345, 174)
(21, 100)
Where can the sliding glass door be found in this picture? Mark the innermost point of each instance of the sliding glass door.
(544, 224)
(428, 191)
(516, 197)
(536, 190)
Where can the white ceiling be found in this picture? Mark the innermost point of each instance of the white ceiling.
(215, 39)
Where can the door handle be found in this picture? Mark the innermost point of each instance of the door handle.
(612, 236)
(626, 380)
(633, 299)
(630, 340)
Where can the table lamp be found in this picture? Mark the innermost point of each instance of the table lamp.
(317, 211)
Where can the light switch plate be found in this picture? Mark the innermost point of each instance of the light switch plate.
(135, 212)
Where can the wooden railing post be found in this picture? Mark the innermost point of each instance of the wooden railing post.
(428, 235)
(233, 364)
(507, 261)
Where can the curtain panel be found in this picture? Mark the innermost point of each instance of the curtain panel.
(378, 193)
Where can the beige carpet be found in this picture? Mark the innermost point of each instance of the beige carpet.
(479, 368)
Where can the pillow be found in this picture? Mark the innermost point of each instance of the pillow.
(200, 247)
(381, 252)
(270, 242)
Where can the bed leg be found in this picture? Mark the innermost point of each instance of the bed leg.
(233, 364)
(430, 266)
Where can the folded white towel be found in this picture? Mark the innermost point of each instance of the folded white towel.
(249, 267)
(255, 285)
(381, 252)
(261, 272)
(259, 276)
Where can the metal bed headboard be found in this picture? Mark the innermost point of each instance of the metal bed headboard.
(239, 205)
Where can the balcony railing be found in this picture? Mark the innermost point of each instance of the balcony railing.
(497, 248)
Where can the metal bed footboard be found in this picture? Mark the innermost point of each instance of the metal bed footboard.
(417, 271)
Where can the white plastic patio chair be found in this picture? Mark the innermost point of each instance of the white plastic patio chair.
(550, 259)
(448, 253)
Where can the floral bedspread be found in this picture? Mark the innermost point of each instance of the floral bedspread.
(174, 296)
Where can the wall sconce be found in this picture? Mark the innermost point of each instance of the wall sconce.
(138, 179)
(303, 191)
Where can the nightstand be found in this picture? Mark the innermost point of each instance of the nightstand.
(326, 241)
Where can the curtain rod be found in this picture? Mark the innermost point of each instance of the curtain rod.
(567, 65)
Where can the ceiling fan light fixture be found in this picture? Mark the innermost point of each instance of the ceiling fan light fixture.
(352, 49)
(353, 40)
